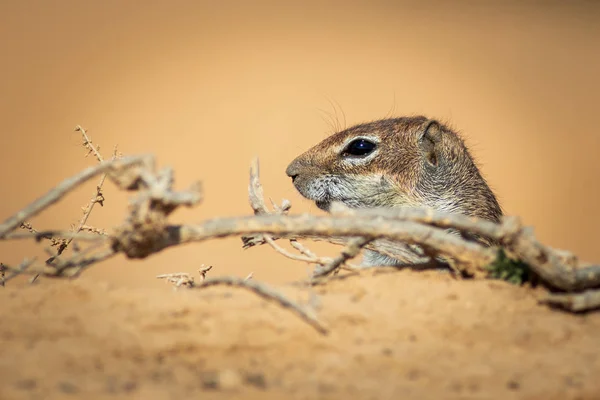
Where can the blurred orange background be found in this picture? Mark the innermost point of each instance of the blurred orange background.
(206, 87)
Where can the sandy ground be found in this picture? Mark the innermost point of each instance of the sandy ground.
(392, 335)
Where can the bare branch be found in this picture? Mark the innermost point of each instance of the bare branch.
(269, 294)
(558, 269)
(56, 234)
(59, 243)
(15, 271)
(87, 143)
(313, 259)
(440, 219)
(97, 197)
(65, 187)
(391, 232)
(302, 249)
(255, 190)
(575, 302)
(468, 254)
(353, 248)
(66, 268)
(178, 279)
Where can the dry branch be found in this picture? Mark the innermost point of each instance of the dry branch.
(266, 292)
(352, 249)
(97, 197)
(575, 302)
(146, 229)
(257, 202)
(66, 186)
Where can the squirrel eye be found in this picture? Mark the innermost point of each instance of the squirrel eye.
(359, 148)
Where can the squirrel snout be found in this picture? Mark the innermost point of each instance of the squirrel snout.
(293, 170)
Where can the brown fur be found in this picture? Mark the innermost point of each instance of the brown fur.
(418, 162)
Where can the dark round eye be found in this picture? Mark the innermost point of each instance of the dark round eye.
(359, 148)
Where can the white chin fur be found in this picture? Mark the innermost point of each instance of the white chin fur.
(347, 190)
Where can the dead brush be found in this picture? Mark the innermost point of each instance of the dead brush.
(146, 230)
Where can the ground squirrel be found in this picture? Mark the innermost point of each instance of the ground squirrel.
(409, 161)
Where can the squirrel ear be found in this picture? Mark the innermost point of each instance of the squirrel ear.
(429, 141)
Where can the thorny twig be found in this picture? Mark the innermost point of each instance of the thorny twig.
(97, 198)
(59, 242)
(87, 143)
(67, 185)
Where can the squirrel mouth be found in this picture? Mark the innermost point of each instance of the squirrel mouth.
(323, 204)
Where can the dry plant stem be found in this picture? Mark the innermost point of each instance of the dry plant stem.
(255, 191)
(146, 231)
(355, 245)
(68, 268)
(267, 293)
(18, 270)
(302, 249)
(39, 235)
(87, 143)
(74, 267)
(65, 187)
(304, 258)
(59, 243)
(440, 219)
(257, 202)
(558, 269)
(178, 279)
(464, 252)
(97, 195)
(203, 271)
(575, 302)
(93, 229)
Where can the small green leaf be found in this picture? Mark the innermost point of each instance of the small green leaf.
(508, 269)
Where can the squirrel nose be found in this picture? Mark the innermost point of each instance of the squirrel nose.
(292, 170)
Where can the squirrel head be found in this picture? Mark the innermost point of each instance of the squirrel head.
(408, 161)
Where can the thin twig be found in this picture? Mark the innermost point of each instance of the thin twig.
(68, 268)
(146, 230)
(56, 234)
(304, 258)
(65, 187)
(302, 248)
(178, 279)
(351, 250)
(255, 190)
(257, 202)
(267, 293)
(87, 143)
(15, 271)
(203, 271)
(96, 198)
